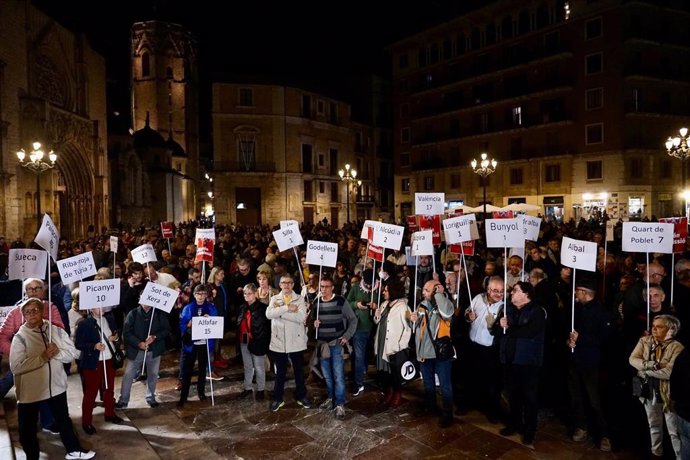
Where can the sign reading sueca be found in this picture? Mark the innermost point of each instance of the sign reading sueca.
(27, 263)
(76, 268)
(421, 243)
(144, 254)
(205, 234)
(388, 235)
(322, 253)
(159, 297)
(207, 327)
(100, 293)
(288, 237)
(113, 244)
(530, 227)
(504, 233)
(647, 237)
(48, 236)
(288, 223)
(428, 204)
(461, 228)
(579, 254)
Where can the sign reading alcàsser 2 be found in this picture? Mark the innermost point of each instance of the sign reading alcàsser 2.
(647, 237)
(429, 204)
(100, 293)
(322, 253)
(579, 254)
(388, 235)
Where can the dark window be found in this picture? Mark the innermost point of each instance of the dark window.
(593, 28)
(405, 159)
(507, 27)
(403, 61)
(516, 147)
(594, 133)
(306, 105)
(542, 16)
(333, 113)
(334, 192)
(405, 184)
(333, 161)
(307, 160)
(594, 98)
(322, 161)
(405, 135)
(455, 181)
(594, 63)
(665, 169)
(169, 73)
(490, 34)
(552, 42)
(308, 191)
(523, 22)
(246, 97)
(433, 57)
(145, 65)
(516, 176)
(428, 183)
(404, 110)
(460, 45)
(595, 170)
(404, 85)
(552, 173)
(636, 168)
(322, 187)
(475, 39)
(447, 49)
(421, 56)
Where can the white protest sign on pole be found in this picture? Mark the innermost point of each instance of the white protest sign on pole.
(530, 227)
(504, 233)
(460, 229)
(429, 204)
(76, 268)
(113, 244)
(159, 297)
(410, 260)
(48, 236)
(288, 237)
(579, 254)
(100, 293)
(421, 243)
(647, 237)
(288, 223)
(609, 230)
(322, 253)
(205, 234)
(144, 254)
(27, 263)
(207, 327)
(4, 311)
(388, 235)
(367, 229)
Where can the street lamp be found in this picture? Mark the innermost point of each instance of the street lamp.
(677, 146)
(37, 166)
(349, 176)
(484, 168)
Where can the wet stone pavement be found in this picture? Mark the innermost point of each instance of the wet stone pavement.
(245, 429)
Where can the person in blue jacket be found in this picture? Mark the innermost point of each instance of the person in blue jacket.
(191, 350)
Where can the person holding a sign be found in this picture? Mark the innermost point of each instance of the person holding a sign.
(522, 331)
(255, 336)
(95, 354)
(37, 364)
(432, 325)
(360, 296)
(288, 314)
(191, 351)
(337, 323)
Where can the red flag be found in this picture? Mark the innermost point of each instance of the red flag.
(503, 214)
(167, 229)
(204, 251)
(432, 223)
(680, 232)
(375, 252)
(412, 223)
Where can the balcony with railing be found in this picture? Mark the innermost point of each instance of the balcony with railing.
(365, 200)
(241, 166)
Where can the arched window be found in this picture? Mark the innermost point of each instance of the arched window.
(169, 72)
(246, 138)
(145, 64)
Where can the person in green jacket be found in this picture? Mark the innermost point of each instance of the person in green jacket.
(363, 297)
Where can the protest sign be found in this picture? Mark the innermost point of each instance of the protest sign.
(680, 232)
(27, 263)
(504, 233)
(167, 229)
(432, 223)
(421, 243)
(144, 254)
(99, 293)
(367, 230)
(288, 237)
(647, 237)
(207, 327)
(322, 253)
(159, 297)
(428, 204)
(461, 228)
(205, 233)
(113, 244)
(204, 251)
(375, 252)
(48, 236)
(76, 268)
(579, 254)
(288, 223)
(411, 222)
(530, 227)
(388, 235)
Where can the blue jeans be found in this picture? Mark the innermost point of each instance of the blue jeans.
(6, 384)
(333, 369)
(134, 367)
(442, 368)
(684, 432)
(359, 343)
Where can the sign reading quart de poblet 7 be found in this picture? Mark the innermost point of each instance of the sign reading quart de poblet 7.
(647, 237)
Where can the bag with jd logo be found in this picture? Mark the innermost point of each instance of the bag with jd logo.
(403, 367)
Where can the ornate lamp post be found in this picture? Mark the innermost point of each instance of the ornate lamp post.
(677, 146)
(37, 166)
(349, 176)
(484, 168)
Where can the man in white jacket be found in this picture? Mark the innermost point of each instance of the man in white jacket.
(37, 365)
(288, 313)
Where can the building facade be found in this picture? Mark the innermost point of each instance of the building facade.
(575, 100)
(52, 90)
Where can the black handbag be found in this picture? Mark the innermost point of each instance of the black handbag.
(118, 358)
(443, 346)
(640, 387)
(403, 367)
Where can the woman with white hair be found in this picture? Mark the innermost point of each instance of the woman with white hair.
(653, 357)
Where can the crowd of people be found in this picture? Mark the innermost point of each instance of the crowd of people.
(510, 336)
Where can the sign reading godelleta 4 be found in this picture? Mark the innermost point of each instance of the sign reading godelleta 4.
(388, 235)
(322, 253)
(647, 237)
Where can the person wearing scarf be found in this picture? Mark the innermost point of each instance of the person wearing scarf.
(653, 357)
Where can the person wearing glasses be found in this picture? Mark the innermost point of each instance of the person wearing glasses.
(482, 314)
(521, 333)
(37, 354)
(335, 325)
(288, 313)
(255, 336)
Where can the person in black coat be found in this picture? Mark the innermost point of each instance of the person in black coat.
(254, 336)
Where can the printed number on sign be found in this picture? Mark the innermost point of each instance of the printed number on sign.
(100, 298)
(428, 207)
(661, 238)
(574, 258)
(385, 239)
(207, 331)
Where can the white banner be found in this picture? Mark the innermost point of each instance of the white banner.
(73, 269)
(48, 236)
(288, 237)
(144, 254)
(530, 227)
(609, 230)
(368, 224)
(461, 228)
(207, 327)
(504, 233)
(4, 311)
(388, 235)
(288, 223)
(579, 254)
(205, 234)
(27, 263)
(429, 204)
(647, 237)
(113, 244)
(100, 293)
(322, 253)
(159, 297)
(422, 243)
